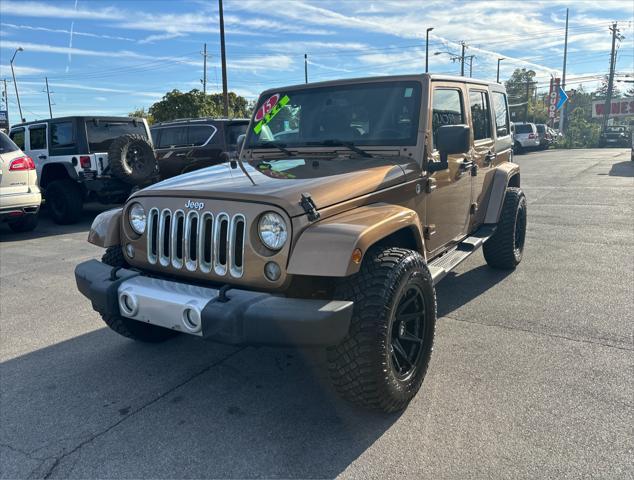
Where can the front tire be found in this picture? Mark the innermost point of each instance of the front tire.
(505, 248)
(382, 361)
(127, 327)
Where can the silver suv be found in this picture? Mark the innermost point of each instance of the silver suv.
(526, 136)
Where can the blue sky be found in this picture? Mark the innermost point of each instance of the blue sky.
(126, 54)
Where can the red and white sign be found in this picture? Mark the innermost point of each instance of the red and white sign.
(553, 98)
(621, 107)
(267, 107)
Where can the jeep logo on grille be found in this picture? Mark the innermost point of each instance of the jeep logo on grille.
(195, 205)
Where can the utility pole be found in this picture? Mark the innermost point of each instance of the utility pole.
(305, 68)
(427, 49)
(225, 93)
(528, 97)
(470, 57)
(608, 97)
(204, 80)
(562, 114)
(498, 75)
(462, 59)
(48, 94)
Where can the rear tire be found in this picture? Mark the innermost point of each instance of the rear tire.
(25, 224)
(517, 148)
(65, 200)
(127, 327)
(506, 247)
(132, 159)
(382, 361)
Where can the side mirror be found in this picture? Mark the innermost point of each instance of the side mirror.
(240, 142)
(450, 139)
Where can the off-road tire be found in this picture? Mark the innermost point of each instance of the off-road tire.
(132, 159)
(506, 247)
(133, 329)
(27, 223)
(361, 366)
(65, 200)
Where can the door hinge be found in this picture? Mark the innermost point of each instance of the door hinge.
(309, 207)
(429, 231)
(430, 186)
(473, 209)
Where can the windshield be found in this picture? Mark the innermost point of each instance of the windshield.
(383, 113)
(101, 133)
(615, 129)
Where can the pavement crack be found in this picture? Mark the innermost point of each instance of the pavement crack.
(542, 334)
(51, 470)
(23, 452)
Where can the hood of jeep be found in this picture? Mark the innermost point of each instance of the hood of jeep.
(281, 181)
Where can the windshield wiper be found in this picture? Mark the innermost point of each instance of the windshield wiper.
(333, 142)
(280, 146)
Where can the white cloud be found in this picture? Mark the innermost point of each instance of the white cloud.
(49, 10)
(162, 36)
(78, 86)
(63, 31)
(5, 70)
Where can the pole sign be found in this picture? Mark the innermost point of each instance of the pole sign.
(620, 107)
(553, 100)
(4, 120)
(563, 98)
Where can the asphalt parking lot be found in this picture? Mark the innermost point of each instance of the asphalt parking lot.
(531, 377)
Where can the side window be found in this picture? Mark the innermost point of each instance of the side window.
(480, 114)
(447, 109)
(501, 114)
(37, 136)
(173, 137)
(199, 134)
(62, 134)
(18, 137)
(155, 136)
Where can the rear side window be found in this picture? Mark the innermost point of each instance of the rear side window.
(501, 114)
(541, 128)
(523, 128)
(173, 137)
(6, 144)
(37, 136)
(18, 137)
(199, 134)
(480, 114)
(447, 109)
(62, 134)
(101, 133)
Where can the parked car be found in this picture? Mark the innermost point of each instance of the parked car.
(526, 137)
(334, 238)
(545, 136)
(183, 146)
(20, 196)
(615, 136)
(87, 158)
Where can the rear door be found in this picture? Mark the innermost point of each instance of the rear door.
(171, 150)
(37, 144)
(483, 147)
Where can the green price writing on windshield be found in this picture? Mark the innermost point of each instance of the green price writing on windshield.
(268, 110)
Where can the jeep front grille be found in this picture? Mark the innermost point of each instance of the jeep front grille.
(197, 241)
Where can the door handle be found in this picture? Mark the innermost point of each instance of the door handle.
(466, 165)
(490, 156)
(180, 154)
(42, 157)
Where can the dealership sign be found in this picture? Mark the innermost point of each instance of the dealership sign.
(620, 107)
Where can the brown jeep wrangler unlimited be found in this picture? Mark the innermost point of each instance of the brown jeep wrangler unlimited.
(350, 201)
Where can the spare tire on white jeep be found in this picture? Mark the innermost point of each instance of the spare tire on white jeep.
(132, 159)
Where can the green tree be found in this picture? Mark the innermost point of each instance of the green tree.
(602, 89)
(195, 104)
(516, 90)
(142, 113)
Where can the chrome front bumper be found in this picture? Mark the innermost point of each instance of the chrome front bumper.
(232, 316)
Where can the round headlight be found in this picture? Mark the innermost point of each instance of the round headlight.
(137, 218)
(272, 230)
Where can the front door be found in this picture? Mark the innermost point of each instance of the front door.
(448, 204)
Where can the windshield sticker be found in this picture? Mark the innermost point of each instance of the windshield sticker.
(268, 110)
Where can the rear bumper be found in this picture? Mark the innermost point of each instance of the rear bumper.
(24, 202)
(241, 318)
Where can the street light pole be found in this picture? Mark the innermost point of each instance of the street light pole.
(427, 49)
(225, 94)
(15, 84)
(498, 75)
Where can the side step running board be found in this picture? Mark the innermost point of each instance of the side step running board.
(441, 266)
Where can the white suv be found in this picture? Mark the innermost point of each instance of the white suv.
(526, 136)
(20, 196)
